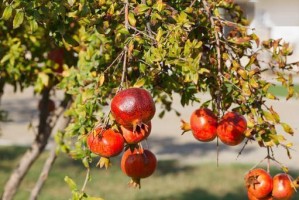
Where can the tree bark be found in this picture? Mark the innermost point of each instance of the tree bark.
(60, 125)
(30, 156)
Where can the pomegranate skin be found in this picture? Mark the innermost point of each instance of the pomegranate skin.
(105, 143)
(231, 128)
(138, 163)
(141, 133)
(282, 187)
(132, 107)
(203, 124)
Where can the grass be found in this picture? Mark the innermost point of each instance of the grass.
(171, 181)
(279, 90)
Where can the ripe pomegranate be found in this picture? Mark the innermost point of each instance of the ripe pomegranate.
(138, 164)
(132, 107)
(282, 187)
(56, 55)
(252, 197)
(259, 183)
(105, 143)
(231, 128)
(51, 105)
(203, 124)
(141, 133)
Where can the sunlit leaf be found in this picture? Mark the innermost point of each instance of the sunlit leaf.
(18, 19)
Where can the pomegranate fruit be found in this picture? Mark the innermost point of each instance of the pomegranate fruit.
(138, 164)
(51, 105)
(282, 187)
(141, 133)
(133, 107)
(231, 128)
(252, 197)
(203, 124)
(259, 183)
(105, 143)
(56, 55)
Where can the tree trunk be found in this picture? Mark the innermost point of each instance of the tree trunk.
(60, 125)
(37, 147)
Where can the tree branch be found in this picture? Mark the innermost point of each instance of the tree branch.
(61, 124)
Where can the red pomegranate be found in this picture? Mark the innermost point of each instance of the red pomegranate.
(105, 143)
(259, 183)
(133, 107)
(138, 164)
(203, 124)
(282, 187)
(57, 56)
(231, 128)
(141, 133)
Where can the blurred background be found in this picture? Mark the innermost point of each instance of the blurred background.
(187, 168)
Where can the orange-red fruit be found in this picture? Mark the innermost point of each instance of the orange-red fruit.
(203, 124)
(259, 183)
(231, 128)
(132, 107)
(282, 187)
(252, 197)
(105, 142)
(138, 163)
(141, 133)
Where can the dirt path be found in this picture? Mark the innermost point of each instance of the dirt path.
(166, 139)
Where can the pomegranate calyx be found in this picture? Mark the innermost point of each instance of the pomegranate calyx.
(185, 126)
(135, 183)
(104, 162)
(296, 183)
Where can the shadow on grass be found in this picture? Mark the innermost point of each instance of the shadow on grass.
(201, 194)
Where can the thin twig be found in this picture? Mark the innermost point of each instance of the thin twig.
(127, 14)
(123, 76)
(240, 152)
(86, 179)
(142, 32)
(118, 58)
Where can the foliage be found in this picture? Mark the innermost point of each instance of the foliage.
(183, 47)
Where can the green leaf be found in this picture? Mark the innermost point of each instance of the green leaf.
(139, 83)
(94, 198)
(71, 183)
(141, 8)
(287, 128)
(33, 25)
(18, 19)
(132, 19)
(7, 13)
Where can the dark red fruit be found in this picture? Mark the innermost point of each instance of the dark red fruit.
(132, 107)
(231, 128)
(51, 105)
(106, 143)
(141, 133)
(282, 187)
(138, 164)
(203, 124)
(56, 55)
(259, 183)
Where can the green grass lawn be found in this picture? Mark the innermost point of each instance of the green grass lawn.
(171, 181)
(281, 91)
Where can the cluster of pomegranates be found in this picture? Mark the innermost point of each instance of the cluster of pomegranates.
(261, 186)
(132, 110)
(205, 126)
